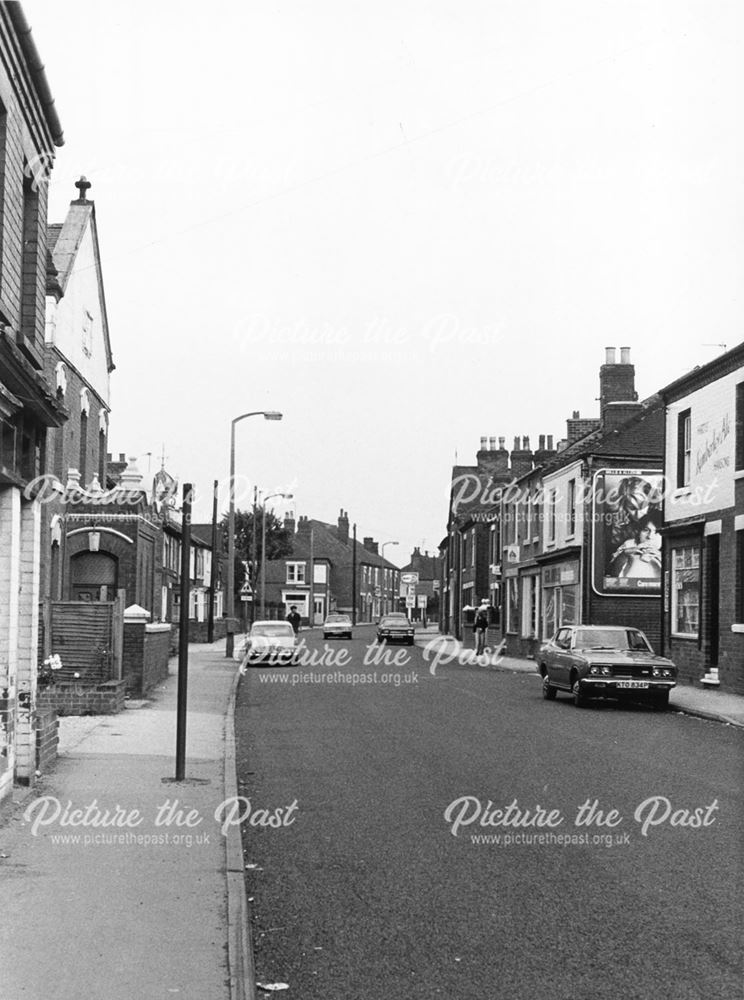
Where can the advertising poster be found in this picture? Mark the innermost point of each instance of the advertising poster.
(626, 542)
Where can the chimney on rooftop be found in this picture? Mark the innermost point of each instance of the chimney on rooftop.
(521, 458)
(493, 461)
(343, 526)
(371, 545)
(289, 522)
(616, 383)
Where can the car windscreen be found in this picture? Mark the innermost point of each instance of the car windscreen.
(277, 631)
(599, 638)
(338, 619)
(394, 622)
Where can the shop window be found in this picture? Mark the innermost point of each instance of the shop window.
(740, 426)
(530, 609)
(684, 447)
(686, 591)
(739, 597)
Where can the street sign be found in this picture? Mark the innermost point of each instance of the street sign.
(422, 600)
(246, 597)
(411, 590)
(410, 601)
(409, 578)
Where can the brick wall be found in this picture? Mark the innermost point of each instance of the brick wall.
(47, 739)
(146, 651)
(79, 699)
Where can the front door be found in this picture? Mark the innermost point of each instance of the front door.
(318, 609)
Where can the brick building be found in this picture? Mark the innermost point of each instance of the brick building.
(587, 522)
(29, 131)
(428, 569)
(703, 552)
(343, 572)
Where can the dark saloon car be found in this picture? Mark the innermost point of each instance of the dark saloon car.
(395, 628)
(605, 661)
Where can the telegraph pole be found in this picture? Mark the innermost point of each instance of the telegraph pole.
(213, 572)
(183, 635)
(353, 578)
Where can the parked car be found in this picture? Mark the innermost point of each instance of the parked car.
(338, 626)
(272, 642)
(395, 628)
(605, 661)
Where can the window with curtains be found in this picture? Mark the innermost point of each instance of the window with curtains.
(686, 591)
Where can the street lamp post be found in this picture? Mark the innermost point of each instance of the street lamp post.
(383, 568)
(267, 415)
(271, 496)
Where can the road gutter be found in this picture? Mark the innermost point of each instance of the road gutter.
(239, 942)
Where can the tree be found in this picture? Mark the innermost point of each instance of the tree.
(278, 542)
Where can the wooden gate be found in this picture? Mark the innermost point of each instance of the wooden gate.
(88, 638)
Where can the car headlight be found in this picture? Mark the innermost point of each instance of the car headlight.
(594, 670)
(606, 671)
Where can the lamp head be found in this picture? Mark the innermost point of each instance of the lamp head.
(272, 415)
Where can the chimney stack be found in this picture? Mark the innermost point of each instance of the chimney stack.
(542, 454)
(521, 458)
(343, 526)
(492, 461)
(371, 545)
(616, 381)
(289, 522)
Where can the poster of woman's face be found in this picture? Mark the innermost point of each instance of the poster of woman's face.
(626, 540)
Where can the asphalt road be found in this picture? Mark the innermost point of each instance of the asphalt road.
(368, 894)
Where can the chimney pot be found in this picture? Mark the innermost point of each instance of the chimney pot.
(122, 456)
(501, 442)
(516, 444)
(492, 444)
(550, 442)
(609, 355)
(541, 442)
(525, 444)
(624, 355)
(483, 444)
(576, 415)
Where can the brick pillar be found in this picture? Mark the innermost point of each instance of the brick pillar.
(28, 640)
(10, 557)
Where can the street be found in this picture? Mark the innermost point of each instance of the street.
(618, 869)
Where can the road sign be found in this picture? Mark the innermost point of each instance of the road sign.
(409, 578)
(411, 601)
(411, 590)
(422, 600)
(246, 597)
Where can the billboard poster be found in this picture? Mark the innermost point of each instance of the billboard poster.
(627, 516)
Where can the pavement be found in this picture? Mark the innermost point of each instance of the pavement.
(702, 702)
(115, 880)
(119, 882)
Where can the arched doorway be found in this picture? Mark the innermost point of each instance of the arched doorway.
(93, 576)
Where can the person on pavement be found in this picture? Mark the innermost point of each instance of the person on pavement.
(480, 625)
(294, 619)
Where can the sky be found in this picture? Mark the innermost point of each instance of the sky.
(405, 225)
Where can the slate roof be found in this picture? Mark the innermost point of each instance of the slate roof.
(63, 243)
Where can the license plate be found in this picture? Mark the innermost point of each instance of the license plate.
(632, 684)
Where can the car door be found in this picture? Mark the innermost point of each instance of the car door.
(562, 657)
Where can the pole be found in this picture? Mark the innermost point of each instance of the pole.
(263, 559)
(183, 635)
(254, 557)
(353, 578)
(213, 572)
(230, 598)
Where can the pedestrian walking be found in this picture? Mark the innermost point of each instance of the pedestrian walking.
(294, 619)
(480, 627)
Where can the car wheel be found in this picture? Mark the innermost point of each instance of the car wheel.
(660, 701)
(578, 695)
(549, 692)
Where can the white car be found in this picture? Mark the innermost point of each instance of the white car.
(337, 625)
(270, 642)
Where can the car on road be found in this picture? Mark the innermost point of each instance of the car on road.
(337, 626)
(270, 642)
(395, 628)
(605, 661)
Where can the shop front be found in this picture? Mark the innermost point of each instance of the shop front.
(561, 596)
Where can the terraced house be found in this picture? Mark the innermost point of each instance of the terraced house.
(29, 131)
